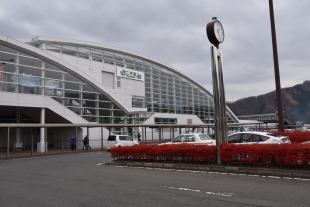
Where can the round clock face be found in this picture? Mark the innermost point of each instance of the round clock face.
(219, 31)
(215, 32)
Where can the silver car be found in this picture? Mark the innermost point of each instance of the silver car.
(257, 138)
(120, 141)
(196, 139)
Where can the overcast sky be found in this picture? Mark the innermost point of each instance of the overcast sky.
(173, 32)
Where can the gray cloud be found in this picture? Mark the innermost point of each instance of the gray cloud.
(173, 32)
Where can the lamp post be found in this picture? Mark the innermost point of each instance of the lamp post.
(276, 68)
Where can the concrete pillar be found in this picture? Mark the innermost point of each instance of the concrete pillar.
(41, 144)
(18, 143)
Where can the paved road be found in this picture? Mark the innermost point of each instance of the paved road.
(82, 180)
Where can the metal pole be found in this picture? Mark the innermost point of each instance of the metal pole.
(8, 145)
(101, 138)
(217, 108)
(276, 67)
(172, 133)
(223, 120)
(88, 137)
(162, 133)
(62, 140)
(75, 139)
(45, 141)
(31, 142)
(142, 134)
(152, 134)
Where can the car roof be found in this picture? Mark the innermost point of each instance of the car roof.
(192, 134)
(259, 133)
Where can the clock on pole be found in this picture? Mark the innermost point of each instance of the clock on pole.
(215, 32)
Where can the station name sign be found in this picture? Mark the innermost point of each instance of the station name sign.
(131, 74)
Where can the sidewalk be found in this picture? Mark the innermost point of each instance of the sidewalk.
(217, 168)
(27, 153)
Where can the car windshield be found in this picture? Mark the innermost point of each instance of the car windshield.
(204, 137)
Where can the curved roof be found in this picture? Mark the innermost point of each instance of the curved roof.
(86, 78)
(45, 56)
(40, 39)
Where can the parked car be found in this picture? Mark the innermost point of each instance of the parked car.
(257, 138)
(120, 141)
(306, 142)
(305, 128)
(196, 139)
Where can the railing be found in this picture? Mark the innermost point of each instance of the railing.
(166, 132)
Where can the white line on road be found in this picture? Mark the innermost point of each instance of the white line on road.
(217, 173)
(200, 191)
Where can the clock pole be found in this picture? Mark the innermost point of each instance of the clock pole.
(215, 34)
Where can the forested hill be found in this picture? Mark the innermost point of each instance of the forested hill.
(295, 102)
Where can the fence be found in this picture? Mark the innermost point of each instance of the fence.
(157, 132)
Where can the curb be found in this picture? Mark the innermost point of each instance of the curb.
(221, 169)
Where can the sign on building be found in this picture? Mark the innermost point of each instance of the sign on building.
(131, 74)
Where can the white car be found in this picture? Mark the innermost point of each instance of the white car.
(196, 139)
(120, 141)
(257, 138)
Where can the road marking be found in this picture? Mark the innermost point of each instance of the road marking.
(200, 191)
(218, 173)
(287, 178)
(274, 177)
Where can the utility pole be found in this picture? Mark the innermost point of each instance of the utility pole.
(276, 68)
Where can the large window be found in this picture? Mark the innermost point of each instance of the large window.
(22, 73)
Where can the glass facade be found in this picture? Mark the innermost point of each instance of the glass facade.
(22, 73)
(165, 90)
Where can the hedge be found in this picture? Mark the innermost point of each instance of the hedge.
(296, 136)
(255, 154)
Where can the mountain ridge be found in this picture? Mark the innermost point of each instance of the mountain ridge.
(295, 103)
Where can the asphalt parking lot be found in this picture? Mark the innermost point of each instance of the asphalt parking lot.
(82, 179)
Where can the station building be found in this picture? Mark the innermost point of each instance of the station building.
(56, 80)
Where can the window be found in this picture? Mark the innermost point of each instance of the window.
(204, 137)
(234, 138)
(178, 139)
(129, 138)
(123, 138)
(189, 138)
(165, 121)
(138, 101)
(112, 138)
